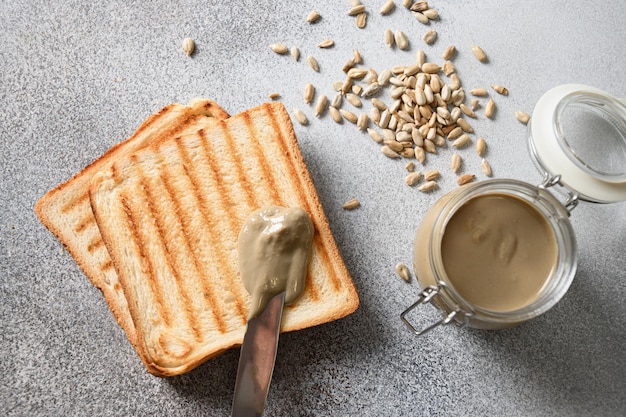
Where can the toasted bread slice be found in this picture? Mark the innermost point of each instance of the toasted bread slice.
(66, 212)
(170, 215)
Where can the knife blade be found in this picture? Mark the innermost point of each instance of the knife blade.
(256, 360)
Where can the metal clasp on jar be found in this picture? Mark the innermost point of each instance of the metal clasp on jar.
(457, 315)
(550, 181)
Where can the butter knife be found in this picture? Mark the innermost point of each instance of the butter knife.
(256, 360)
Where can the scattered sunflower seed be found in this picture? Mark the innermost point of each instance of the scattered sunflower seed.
(334, 114)
(354, 100)
(430, 36)
(351, 204)
(431, 14)
(427, 186)
(403, 272)
(401, 40)
(309, 92)
(486, 168)
(465, 178)
(461, 141)
(474, 104)
(279, 48)
(357, 56)
(449, 52)
(189, 46)
(479, 53)
(274, 96)
(387, 7)
(313, 17)
(320, 106)
(467, 111)
(430, 68)
(355, 10)
(455, 162)
(326, 43)
(375, 135)
(418, 6)
(389, 153)
(388, 37)
(522, 117)
(431, 175)
(357, 73)
(421, 18)
(490, 108)
(313, 63)
(413, 178)
(295, 53)
(478, 92)
(362, 121)
(500, 89)
(481, 146)
(361, 20)
(410, 166)
(300, 117)
(349, 116)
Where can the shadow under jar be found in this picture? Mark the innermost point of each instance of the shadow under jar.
(496, 253)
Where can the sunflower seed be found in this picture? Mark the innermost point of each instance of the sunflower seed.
(403, 272)
(313, 17)
(313, 63)
(295, 53)
(349, 116)
(500, 89)
(300, 117)
(354, 100)
(421, 18)
(429, 146)
(401, 40)
(430, 68)
(474, 104)
(410, 166)
(371, 89)
(394, 145)
(379, 104)
(326, 43)
(309, 92)
(320, 106)
(347, 85)
(337, 101)
(427, 186)
(431, 175)
(479, 53)
(449, 52)
(279, 48)
(430, 37)
(481, 146)
(464, 125)
(334, 114)
(387, 7)
(467, 111)
(465, 178)
(413, 178)
(274, 96)
(355, 10)
(357, 73)
(419, 6)
(351, 204)
(431, 14)
(448, 68)
(361, 20)
(478, 92)
(362, 121)
(522, 117)
(486, 168)
(375, 135)
(490, 108)
(388, 38)
(389, 153)
(420, 154)
(420, 57)
(461, 141)
(455, 162)
(189, 46)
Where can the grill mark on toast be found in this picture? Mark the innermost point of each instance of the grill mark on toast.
(82, 199)
(170, 258)
(132, 221)
(266, 171)
(244, 182)
(95, 244)
(225, 269)
(84, 223)
(187, 231)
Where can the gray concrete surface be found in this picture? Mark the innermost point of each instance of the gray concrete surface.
(77, 77)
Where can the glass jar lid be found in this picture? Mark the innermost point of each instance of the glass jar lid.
(578, 133)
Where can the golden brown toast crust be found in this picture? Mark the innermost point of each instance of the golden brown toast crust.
(170, 214)
(66, 211)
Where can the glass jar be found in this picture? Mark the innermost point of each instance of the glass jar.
(577, 137)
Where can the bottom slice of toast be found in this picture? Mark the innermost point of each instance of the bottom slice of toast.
(170, 215)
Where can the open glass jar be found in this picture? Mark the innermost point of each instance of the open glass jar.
(497, 253)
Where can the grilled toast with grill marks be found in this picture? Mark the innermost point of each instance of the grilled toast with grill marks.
(66, 211)
(170, 215)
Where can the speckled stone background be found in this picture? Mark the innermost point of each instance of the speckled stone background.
(77, 77)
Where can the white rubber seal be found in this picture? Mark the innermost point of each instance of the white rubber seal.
(553, 157)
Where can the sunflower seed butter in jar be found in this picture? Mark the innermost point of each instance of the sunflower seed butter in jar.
(496, 253)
